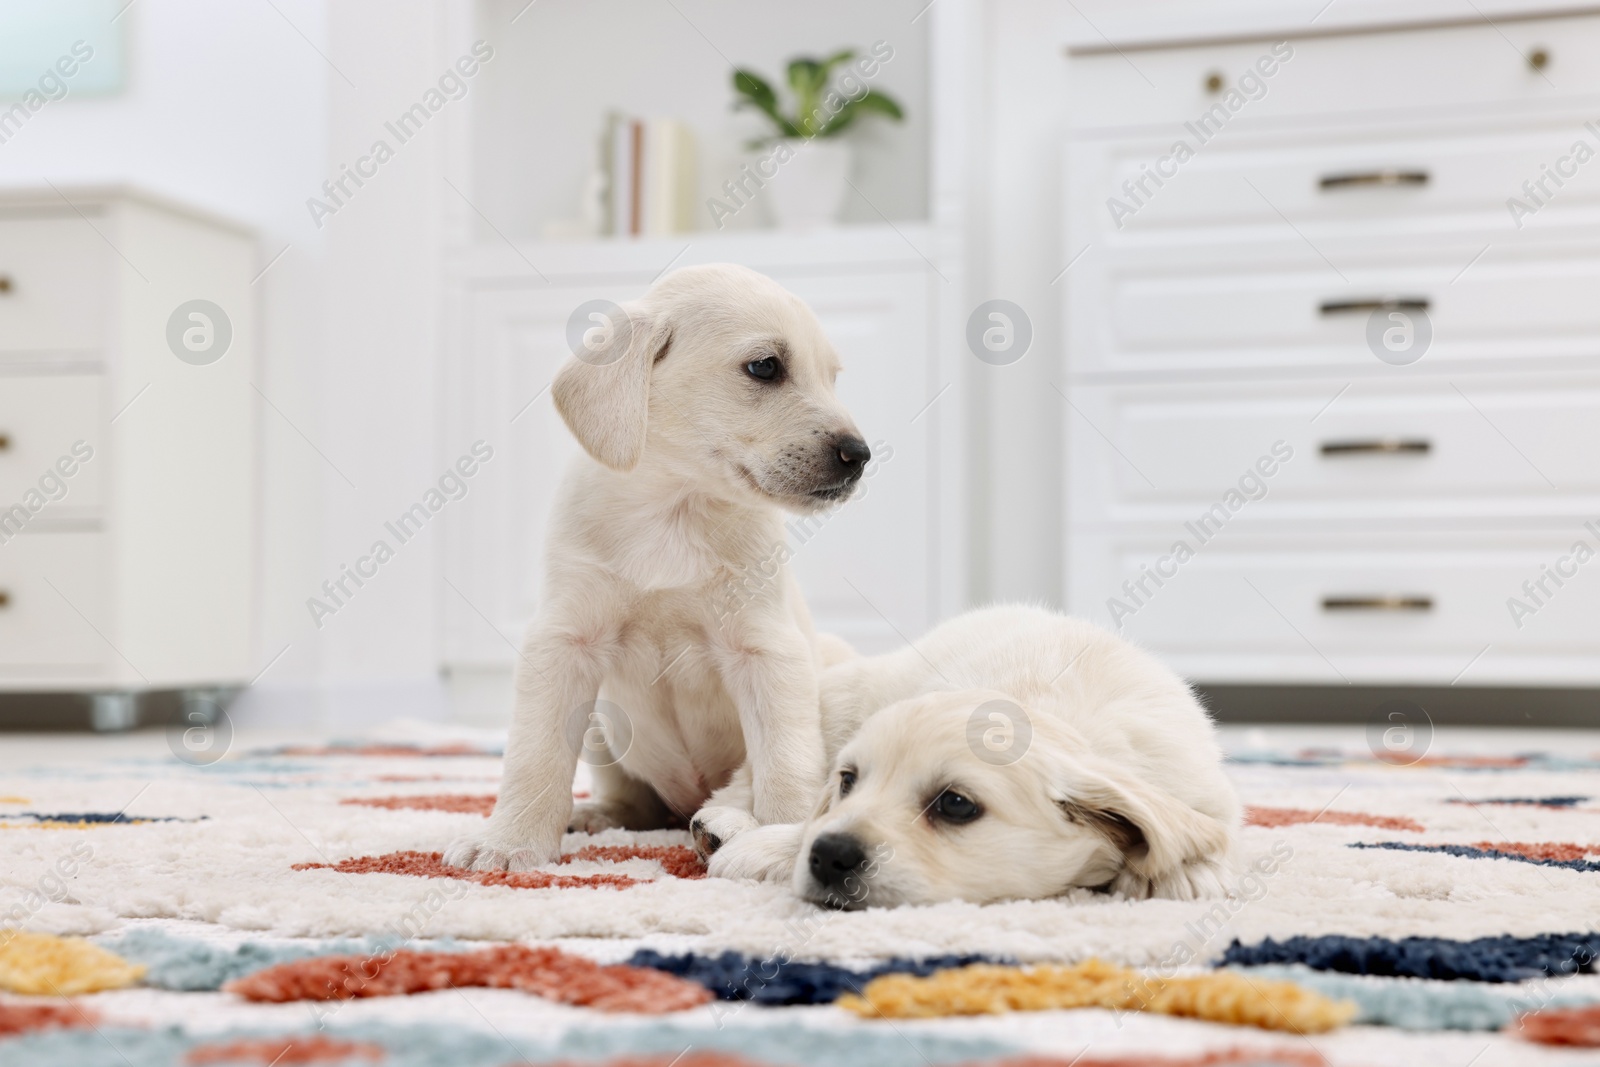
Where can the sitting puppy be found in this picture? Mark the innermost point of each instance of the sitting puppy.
(1010, 754)
(704, 412)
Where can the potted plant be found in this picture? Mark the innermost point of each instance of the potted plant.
(809, 166)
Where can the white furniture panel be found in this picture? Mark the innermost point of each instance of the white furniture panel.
(1412, 447)
(1228, 314)
(141, 575)
(1309, 605)
(46, 581)
(1356, 76)
(40, 420)
(55, 284)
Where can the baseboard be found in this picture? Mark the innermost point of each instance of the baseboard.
(1442, 705)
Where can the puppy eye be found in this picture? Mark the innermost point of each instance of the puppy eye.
(765, 370)
(954, 807)
(847, 782)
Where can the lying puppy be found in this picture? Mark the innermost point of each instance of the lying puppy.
(1010, 754)
(703, 413)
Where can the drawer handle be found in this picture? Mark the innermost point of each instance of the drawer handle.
(5, 283)
(1379, 446)
(1383, 178)
(5, 441)
(1375, 303)
(1382, 602)
(5, 599)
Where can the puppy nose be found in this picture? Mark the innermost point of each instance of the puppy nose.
(834, 858)
(853, 454)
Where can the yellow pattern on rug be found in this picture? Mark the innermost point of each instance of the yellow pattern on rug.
(987, 989)
(46, 965)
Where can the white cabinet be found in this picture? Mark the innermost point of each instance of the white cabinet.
(876, 568)
(1230, 310)
(127, 447)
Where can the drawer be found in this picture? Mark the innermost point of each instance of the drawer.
(1283, 305)
(1414, 447)
(51, 443)
(54, 586)
(1386, 181)
(1405, 605)
(1482, 65)
(54, 289)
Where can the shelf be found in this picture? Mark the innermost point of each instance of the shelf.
(865, 247)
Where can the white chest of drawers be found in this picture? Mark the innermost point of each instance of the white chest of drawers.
(1219, 319)
(127, 473)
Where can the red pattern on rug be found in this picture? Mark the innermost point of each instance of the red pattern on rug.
(26, 1018)
(1295, 816)
(1233, 1057)
(680, 861)
(285, 1051)
(432, 865)
(459, 803)
(545, 972)
(1561, 1026)
(1564, 851)
(1463, 762)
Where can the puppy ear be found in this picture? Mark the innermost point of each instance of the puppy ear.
(604, 395)
(1156, 833)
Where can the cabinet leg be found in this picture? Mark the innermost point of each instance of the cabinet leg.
(200, 707)
(113, 712)
(205, 733)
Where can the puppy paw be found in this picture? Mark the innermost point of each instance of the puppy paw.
(591, 817)
(1203, 878)
(480, 854)
(762, 854)
(715, 826)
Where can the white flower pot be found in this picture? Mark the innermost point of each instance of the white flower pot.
(809, 188)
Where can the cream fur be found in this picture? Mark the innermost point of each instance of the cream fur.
(689, 461)
(1120, 784)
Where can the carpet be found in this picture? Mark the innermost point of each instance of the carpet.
(288, 905)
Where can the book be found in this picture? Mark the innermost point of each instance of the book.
(649, 175)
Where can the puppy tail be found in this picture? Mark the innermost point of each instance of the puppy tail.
(832, 650)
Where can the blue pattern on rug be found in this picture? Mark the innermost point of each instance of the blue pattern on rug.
(191, 965)
(776, 980)
(1469, 852)
(1419, 1004)
(462, 1046)
(1485, 959)
(1524, 802)
(107, 818)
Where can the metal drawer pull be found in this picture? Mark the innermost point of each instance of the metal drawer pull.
(1375, 303)
(1379, 446)
(5, 283)
(1374, 177)
(5, 599)
(1389, 602)
(5, 441)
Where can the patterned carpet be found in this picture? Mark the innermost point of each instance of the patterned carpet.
(287, 905)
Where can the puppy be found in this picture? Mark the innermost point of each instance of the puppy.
(702, 413)
(1010, 754)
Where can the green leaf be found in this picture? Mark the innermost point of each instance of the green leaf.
(806, 76)
(871, 102)
(883, 105)
(758, 94)
(754, 88)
